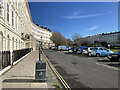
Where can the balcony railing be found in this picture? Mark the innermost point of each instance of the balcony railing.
(25, 36)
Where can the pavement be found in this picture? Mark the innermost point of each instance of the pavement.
(81, 71)
(22, 75)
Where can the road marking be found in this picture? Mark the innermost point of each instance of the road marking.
(107, 66)
(58, 75)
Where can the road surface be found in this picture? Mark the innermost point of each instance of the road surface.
(81, 71)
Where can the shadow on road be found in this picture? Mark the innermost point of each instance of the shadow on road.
(114, 65)
(107, 61)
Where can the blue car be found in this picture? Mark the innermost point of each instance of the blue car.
(100, 51)
(63, 48)
(114, 56)
(80, 50)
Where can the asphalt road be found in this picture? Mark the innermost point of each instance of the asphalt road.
(81, 71)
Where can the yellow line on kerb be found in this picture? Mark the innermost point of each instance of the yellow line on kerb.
(58, 75)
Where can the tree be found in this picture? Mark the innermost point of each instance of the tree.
(76, 36)
(96, 43)
(58, 39)
(69, 42)
(76, 39)
(104, 44)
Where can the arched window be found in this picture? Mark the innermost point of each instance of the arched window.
(8, 43)
(1, 41)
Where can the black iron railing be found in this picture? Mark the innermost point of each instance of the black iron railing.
(5, 56)
(4, 59)
(0, 60)
(17, 54)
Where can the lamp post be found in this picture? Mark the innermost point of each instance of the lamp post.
(39, 51)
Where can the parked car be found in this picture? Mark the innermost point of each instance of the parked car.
(71, 49)
(63, 48)
(85, 51)
(53, 47)
(100, 51)
(114, 56)
(80, 50)
(75, 50)
(89, 50)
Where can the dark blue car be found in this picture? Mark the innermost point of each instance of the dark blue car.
(80, 50)
(75, 49)
(114, 56)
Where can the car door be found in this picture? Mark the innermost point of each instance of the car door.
(100, 51)
(105, 52)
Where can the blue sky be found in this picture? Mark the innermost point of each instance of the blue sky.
(84, 18)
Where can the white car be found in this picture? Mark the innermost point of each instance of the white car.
(89, 50)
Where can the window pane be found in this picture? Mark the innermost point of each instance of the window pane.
(7, 12)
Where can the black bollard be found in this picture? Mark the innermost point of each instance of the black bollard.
(39, 54)
(40, 74)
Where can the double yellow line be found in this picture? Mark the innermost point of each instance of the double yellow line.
(58, 75)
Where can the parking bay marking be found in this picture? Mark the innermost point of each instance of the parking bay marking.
(108, 66)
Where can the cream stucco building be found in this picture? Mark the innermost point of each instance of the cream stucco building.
(17, 31)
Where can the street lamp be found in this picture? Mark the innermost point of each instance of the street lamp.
(39, 51)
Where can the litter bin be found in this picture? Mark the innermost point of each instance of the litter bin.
(40, 74)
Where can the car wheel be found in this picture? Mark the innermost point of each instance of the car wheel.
(89, 54)
(98, 55)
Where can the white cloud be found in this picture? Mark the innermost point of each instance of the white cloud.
(85, 16)
(77, 15)
(92, 28)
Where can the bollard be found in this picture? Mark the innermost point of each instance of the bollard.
(40, 74)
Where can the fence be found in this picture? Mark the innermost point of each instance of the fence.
(17, 54)
(4, 59)
(5, 56)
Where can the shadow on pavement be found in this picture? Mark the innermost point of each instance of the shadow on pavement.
(18, 80)
(22, 76)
